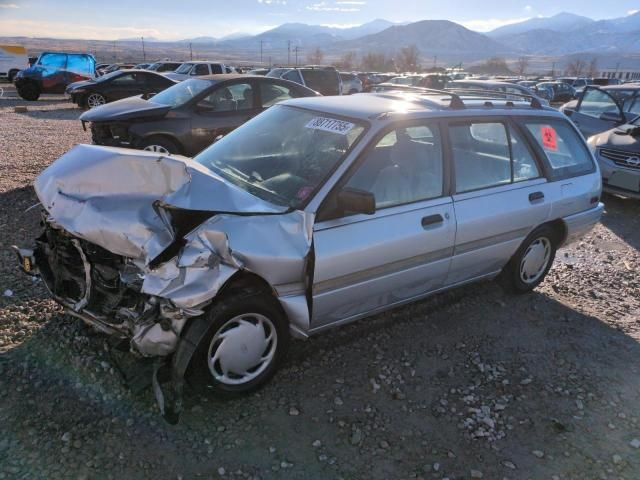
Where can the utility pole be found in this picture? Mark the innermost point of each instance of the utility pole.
(288, 52)
(144, 54)
(115, 56)
(435, 61)
(296, 50)
(190, 51)
(261, 44)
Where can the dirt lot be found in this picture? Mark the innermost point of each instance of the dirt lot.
(470, 384)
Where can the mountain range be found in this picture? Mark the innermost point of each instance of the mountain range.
(562, 34)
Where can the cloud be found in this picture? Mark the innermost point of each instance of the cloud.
(334, 7)
(528, 9)
(273, 2)
(8, 5)
(633, 12)
(14, 27)
(488, 24)
(341, 25)
(351, 3)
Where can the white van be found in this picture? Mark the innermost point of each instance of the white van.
(13, 58)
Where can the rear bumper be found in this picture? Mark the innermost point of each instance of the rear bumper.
(581, 223)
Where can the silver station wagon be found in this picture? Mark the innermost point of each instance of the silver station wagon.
(317, 212)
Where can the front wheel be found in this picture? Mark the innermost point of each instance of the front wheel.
(159, 145)
(531, 263)
(94, 100)
(29, 91)
(247, 339)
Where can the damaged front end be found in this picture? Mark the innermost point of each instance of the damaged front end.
(142, 254)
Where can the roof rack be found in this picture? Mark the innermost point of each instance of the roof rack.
(456, 103)
(481, 94)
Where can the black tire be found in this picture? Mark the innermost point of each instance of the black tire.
(159, 143)
(224, 315)
(513, 278)
(29, 91)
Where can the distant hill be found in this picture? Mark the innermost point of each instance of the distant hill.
(562, 22)
(432, 37)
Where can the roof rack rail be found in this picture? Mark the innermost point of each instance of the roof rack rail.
(456, 103)
(481, 94)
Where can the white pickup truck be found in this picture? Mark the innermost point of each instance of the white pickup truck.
(13, 58)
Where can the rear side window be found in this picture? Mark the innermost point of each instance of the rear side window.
(323, 81)
(272, 94)
(489, 154)
(216, 68)
(200, 69)
(293, 76)
(80, 64)
(564, 148)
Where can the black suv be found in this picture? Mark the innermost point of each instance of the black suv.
(325, 80)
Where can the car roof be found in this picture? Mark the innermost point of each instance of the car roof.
(623, 86)
(366, 106)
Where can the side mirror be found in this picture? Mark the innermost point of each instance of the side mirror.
(352, 200)
(611, 117)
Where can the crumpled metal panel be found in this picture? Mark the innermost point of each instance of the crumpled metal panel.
(106, 196)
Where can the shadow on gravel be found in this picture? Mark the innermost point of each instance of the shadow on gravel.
(386, 397)
(66, 113)
(623, 218)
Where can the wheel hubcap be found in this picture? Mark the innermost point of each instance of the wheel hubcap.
(95, 100)
(242, 349)
(156, 148)
(535, 260)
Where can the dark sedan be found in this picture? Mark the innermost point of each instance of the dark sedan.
(187, 117)
(117, 85)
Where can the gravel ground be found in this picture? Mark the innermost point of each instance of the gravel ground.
(469, 384)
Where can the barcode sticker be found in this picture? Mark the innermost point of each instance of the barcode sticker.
(330, 125)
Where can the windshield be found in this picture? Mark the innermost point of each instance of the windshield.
(184, 68)
(283, 155)
(182, 92)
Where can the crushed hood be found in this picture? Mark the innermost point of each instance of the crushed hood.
(111, 197)
(125, 109)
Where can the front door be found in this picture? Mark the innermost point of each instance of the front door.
(596, 112)
(220, 112)
(365, 263)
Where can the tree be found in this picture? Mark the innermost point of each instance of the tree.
(315, 57)
(521, 65)
(407, 59)
(376, 62)
(576, 68)
(347, 62)
(493, 66)
(592, 71)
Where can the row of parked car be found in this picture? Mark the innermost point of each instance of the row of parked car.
(215, 101)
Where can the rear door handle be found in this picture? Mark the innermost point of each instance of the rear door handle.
(431, 220)
(536, 196)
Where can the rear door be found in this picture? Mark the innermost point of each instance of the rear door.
(596, 112)
(365, 263)
(227, 107)
(500, 195)
(125, 85)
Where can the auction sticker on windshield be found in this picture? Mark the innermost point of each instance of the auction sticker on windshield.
(330, 125)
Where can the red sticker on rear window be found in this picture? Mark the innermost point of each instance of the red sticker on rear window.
(549, 140)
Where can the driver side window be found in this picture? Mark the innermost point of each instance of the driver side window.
(229, 99)
(405, 166)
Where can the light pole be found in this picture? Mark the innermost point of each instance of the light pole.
(144, 54)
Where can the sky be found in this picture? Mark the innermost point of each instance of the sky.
(172, 20)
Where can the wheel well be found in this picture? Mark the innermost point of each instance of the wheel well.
(245, 281)
(561, 231)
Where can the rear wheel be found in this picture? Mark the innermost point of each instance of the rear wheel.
(531, 263)
(94, 100)
(158, 144)
(29, 91)
(247, 339)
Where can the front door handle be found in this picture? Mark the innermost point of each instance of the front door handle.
(536, 196)
(431, 220)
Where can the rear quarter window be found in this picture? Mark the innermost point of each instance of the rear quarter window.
(565, 150)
